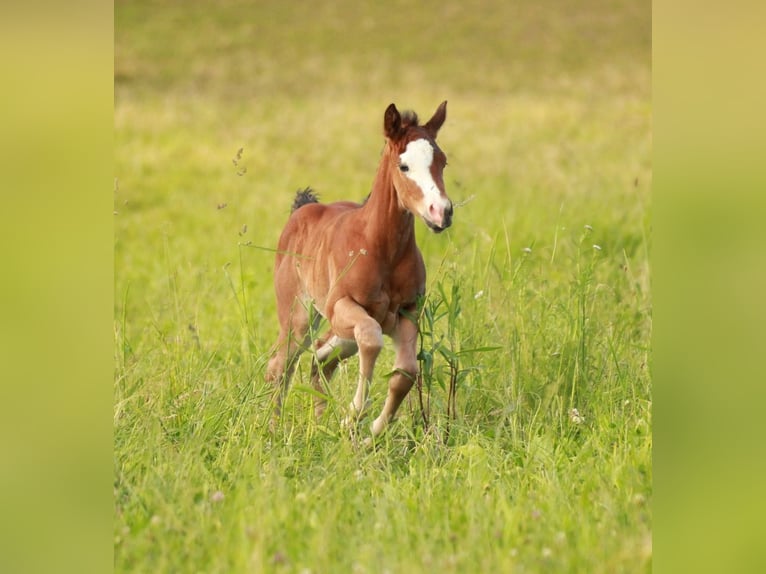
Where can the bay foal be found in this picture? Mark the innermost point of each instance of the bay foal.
(358, 266)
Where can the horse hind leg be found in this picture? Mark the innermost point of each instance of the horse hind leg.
(294, 338)
(280, 371)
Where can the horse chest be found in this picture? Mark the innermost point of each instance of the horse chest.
(403, 286)
(407, 282)
(383, 293)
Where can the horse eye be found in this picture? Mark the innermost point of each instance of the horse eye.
(404, 167)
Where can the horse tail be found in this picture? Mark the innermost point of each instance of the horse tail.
(303, 197)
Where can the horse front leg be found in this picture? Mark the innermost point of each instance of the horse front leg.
(351, 320)
(329, 354)
(405, 337)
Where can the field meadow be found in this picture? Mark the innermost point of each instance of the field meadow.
(529, 445)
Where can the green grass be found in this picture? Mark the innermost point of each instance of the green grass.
(538, 296)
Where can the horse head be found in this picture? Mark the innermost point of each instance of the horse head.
(417, 165)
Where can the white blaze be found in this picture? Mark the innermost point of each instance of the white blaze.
(418, 157)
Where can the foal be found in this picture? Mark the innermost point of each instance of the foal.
(358, 266)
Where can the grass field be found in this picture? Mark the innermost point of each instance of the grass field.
(538, 296)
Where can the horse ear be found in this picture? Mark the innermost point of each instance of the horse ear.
(392, 122)
(435, 123)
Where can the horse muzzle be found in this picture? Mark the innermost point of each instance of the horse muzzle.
(438, 222)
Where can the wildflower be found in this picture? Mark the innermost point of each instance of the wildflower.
(575, 417)
(596, 247)
(527, 250)
(589, 228)
(217, 496)
(479, 294)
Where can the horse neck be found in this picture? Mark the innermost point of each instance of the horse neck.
(388, 224)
